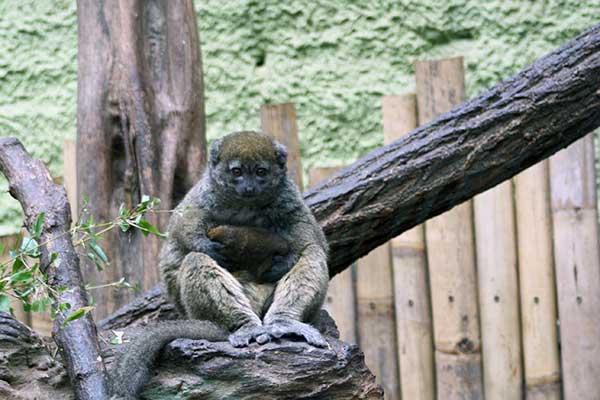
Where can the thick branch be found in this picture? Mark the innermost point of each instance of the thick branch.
(472, 148)
(31, 184)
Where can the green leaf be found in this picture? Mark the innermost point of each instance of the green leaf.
(2, 248)
(123, 212)
(64, 307)
(96, 261)
(38, 226)
(53, 257)
(77, 314)
(93, 245)
(18, 265)
(118, 339)
(29, 247)
(21, 276)
(41, 304)
(124, 226)
(148, 227)
(4, 303)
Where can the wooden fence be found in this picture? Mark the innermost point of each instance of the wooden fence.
(499, 298)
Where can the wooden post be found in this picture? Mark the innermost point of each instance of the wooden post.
(376, 325)
(341, 299)
(575, 220)
(411, 286)
(451, 254)
(498, 293)
(70, 175)
(536, 280)
(279, 120)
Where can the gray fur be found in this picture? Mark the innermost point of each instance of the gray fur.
(194, 270)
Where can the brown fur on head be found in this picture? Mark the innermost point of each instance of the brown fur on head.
(247, 146)
(247, 166)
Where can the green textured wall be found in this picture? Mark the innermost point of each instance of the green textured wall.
(334, 59)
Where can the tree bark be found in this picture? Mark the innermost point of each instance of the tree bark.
(197, 368)
(140, 123)
(466, 151)
(31, 184)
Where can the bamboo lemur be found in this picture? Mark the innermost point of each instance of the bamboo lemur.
(245, 192)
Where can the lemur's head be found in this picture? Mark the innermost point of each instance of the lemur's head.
(247, 165)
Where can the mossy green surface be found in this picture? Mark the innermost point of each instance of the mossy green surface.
(333, 59)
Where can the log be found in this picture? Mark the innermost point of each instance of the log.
(195, 368)
(31, 184)
(468, 150)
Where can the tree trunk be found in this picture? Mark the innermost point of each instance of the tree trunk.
(466, 151)
(140, 123)
(31, 184)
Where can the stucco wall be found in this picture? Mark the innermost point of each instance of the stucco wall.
(334, 59)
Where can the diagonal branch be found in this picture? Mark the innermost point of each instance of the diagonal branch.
(474, 147)
(31, 184)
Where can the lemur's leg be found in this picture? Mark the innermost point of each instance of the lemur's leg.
(211, 293)
(298, 298)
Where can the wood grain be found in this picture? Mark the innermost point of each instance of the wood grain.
(499, 293)
(537, 285)
(451, 254)
(411, 286)
(577, 257)
(279, 120)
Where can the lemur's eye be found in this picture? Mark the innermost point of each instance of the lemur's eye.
(236, 171)
(261, 172)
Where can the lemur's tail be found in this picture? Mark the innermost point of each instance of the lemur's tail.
(132, 369)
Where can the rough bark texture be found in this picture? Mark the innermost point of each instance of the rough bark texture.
(196, 368)
(31, 184)
(140, 122)
(472, 148)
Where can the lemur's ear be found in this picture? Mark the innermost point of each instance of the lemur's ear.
(214, 154)
(281, 154)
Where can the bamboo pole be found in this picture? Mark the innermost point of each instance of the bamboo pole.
(279, 120)
(411, 286)
(498, 293)
(451, 254)
(536, 280)
(341, 299)
(376, 325)
(70, 175)
(575, 220)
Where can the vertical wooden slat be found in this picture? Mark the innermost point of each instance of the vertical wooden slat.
(498, 293)
(376, 325)
(70, 175)
(575, 220)
(411, 286)
(11, 242)
(279, 120)
(451, 254)
(536, 281)
(341, 300)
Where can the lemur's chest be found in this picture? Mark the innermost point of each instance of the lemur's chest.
(246, 216)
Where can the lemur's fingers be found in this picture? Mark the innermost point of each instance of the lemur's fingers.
(243, 336)
(312, 336)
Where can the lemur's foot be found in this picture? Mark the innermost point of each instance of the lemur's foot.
(281, 328)
(246, 334)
